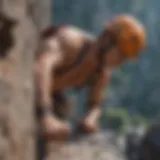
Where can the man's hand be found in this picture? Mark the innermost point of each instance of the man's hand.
(89, 124)
(53, 128)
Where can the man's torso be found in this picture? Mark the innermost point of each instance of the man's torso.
(75, 66)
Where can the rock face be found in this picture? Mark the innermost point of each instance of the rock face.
(101, 146)
(18, 39)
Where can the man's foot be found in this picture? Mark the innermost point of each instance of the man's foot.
(54, 129)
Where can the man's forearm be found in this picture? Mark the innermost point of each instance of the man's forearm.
(94, 112)
(42, 83)
(96, 92)
(93, 108)
(43, 104)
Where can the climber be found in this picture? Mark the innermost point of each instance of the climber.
(68, 57)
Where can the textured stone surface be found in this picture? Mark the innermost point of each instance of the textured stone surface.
(18, 40)
(101, 146)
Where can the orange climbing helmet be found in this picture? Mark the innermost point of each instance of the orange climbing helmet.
(129, 34)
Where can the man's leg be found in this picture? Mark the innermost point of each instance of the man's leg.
(40, 140)
(40, 147)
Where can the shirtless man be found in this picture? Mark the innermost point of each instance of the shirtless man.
(68, 57)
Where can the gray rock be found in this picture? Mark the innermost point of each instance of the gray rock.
(18, 41)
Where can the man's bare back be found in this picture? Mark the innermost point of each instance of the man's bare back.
(68, 57)
(75, 54)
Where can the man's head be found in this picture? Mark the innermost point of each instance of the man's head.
(122, 39)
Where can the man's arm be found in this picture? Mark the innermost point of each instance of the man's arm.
(96, 90)
(44, 69)
(95, 96)
(46, 62)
